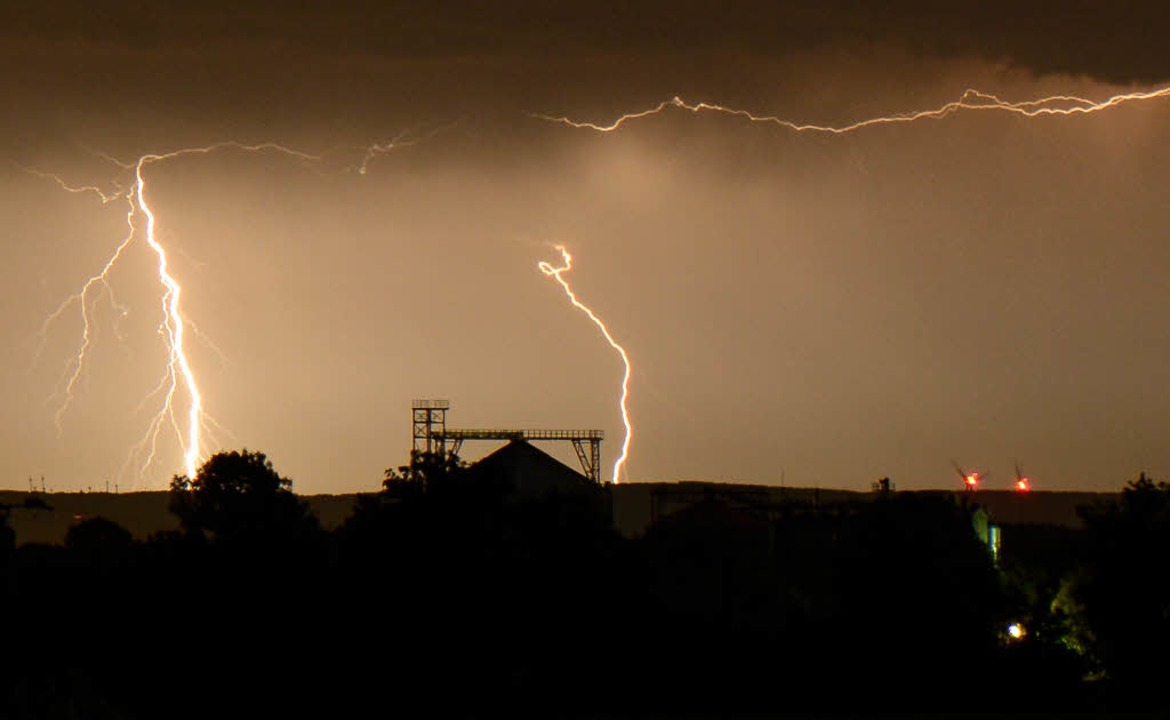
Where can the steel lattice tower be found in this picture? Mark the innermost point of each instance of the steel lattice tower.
(429, 421)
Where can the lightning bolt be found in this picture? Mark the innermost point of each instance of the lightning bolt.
(970, 101)
(174, 329)
(400, 141)
(106, 197)
(75, 366)
(375, 150)
(557, 273)
(178, 377)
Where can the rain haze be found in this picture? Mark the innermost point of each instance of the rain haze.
(799, 306)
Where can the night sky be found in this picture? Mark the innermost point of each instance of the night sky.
(822, 309)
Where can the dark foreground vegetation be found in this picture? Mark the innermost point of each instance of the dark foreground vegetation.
(448, 595)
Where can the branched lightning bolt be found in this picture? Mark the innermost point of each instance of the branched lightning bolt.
(173, 328)
(970, 100)
(76, 364)
(100, 281)
(374, 150)
(106, 197)
(178, 374)
(398, 142)
(557, 273)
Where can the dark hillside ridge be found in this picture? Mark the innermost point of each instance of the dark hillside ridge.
(142, 513)
(635, 506)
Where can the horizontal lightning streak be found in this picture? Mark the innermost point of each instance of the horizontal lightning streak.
(971, 100)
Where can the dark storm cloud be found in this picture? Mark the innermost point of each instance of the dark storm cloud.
(137, 74)
(1118, 42)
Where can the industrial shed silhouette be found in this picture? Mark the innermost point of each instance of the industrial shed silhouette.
(527, 473)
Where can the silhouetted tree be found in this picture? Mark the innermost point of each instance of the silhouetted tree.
(1039, 564)
(514, 584)
(919, 598)
(236, 497)
(100, 544)
(426, 473)
(433, 502)
(247, 547)
(1127, 593)
(7, 536)
(381, 521)
(97, 533)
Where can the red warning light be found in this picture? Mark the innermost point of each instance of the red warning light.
(1023, 485)
(972, 480)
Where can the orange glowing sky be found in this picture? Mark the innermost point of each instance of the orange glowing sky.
(984, 288)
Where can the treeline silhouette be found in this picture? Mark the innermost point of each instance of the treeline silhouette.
(448, 594)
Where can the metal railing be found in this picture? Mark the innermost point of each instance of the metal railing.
(501, 434)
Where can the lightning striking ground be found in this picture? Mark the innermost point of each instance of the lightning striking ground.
(178, 377)
(970, 101)
(557, 273)
(179, 366)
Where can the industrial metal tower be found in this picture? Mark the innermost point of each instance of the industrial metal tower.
(429, 421)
